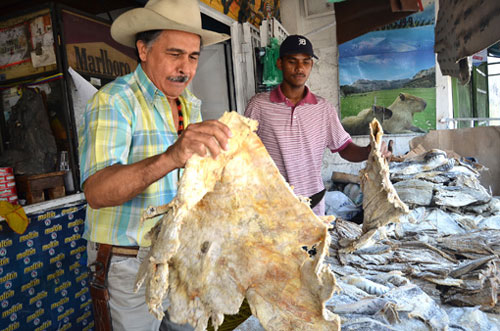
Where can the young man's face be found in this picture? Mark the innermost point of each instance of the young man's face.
(171, 61)
(296, 69)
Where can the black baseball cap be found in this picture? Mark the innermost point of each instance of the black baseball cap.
(296, 44)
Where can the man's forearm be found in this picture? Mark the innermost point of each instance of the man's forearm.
(117, 184)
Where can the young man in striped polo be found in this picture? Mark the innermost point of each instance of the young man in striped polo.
(296, 125)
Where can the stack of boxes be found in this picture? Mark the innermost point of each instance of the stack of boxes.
(8, 185)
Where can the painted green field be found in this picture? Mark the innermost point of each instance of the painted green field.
(426, 120)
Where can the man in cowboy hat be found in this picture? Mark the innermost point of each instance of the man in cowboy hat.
(139, 130)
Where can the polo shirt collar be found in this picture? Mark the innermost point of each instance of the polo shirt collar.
(277, 96)
(149, 90)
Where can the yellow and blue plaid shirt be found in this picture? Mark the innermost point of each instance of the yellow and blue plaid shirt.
(127, 121)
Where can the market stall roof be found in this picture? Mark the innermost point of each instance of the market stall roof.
(372, 13)
(357, 17)
(88, 6)
(461, 30)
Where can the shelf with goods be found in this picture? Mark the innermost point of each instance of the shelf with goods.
(42, 50)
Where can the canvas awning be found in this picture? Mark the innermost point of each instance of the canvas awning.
(357, 17)
(464, 28)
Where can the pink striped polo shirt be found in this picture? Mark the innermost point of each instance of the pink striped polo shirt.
(296, 137)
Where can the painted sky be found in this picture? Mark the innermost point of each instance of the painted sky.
(428, 15)
(387, 54)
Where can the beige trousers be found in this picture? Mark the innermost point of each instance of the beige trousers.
(129, 311)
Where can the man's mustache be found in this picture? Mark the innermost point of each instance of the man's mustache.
(178, 79)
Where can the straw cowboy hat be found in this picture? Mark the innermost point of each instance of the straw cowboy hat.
(183, 15)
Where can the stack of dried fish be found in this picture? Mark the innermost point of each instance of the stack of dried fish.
(459, 269)
(419, 272)
(434, 179)
(436, 268)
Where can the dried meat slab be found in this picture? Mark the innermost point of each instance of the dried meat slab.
(236, 230)
(381, 203)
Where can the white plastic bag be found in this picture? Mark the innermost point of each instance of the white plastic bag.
(339, 204)
(353, 191)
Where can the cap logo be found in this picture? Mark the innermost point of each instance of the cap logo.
(302, 42)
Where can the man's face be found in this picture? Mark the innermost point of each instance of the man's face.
(171, 61)
(296, 69)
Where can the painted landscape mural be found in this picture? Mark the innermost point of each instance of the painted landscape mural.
(389, 74)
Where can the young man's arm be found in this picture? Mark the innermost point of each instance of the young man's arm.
(355, 153)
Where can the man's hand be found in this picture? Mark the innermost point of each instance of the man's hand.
(199, 138)
(386, 149)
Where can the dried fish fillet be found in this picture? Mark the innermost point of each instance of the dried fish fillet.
(479, 288)
(460, 196)
(366, 285)
(415, 192)
(433, 166)
(381, 204)
(483, 241)
(418, 305)
(434, 159)
(235, 230)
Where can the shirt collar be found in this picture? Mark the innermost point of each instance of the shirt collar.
(149, 90)
(277, 96)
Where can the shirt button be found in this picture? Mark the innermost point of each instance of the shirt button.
(295, 117)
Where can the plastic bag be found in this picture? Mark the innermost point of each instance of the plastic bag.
(353, 191)
(339, 204)
(271, 75)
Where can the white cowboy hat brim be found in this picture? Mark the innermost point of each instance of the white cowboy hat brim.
(125, 28)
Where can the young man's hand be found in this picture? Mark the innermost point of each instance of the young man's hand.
(386, 149)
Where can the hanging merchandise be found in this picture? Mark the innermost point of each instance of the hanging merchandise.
(272, 75)
(31, 137)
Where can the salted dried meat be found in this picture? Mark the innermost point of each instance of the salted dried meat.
(236, 230)
(381, 204)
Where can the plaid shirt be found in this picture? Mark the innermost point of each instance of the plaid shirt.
(127, 121)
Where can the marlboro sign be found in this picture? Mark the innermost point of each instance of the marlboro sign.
(99, 59)
(91, 50)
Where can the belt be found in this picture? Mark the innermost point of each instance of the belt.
(124, 250)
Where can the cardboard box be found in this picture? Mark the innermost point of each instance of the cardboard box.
(481, 143)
